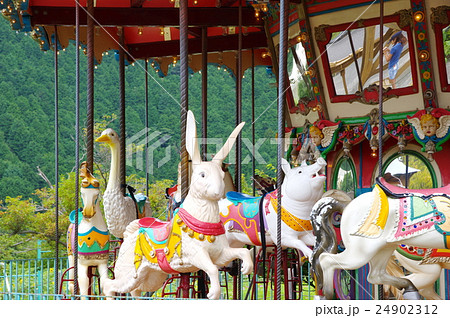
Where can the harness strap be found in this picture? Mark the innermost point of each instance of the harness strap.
(288, 218)
(132, 190)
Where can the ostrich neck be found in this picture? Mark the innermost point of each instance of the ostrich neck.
(114, 181)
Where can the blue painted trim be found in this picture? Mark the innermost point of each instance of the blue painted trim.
(360, 191)
(360, 164)
(364, 287)
(151, 236)
(446, 295)
(289, 25)
(94, 229)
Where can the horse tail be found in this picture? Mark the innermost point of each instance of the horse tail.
(322, 216)
(394, 269)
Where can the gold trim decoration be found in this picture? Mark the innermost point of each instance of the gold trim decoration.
(424, 55)
(419, 16)
(291, 220)
(439, 15)
(145, 247)
(319, 33)
(406, 18)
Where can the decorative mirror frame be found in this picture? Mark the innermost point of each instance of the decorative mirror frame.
(323, 35)
(297, 20)
(440, 18)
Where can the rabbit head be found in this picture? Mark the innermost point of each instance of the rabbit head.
(207, 179)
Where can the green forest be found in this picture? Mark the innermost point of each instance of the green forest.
(27, 130)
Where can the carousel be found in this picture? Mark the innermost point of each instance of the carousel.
(358, 209)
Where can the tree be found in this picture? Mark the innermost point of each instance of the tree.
(346, 184)
(17, 228)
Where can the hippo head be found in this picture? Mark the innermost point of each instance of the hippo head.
(304, 183)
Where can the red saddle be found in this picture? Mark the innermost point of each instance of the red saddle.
(161, 229)
(399, 192)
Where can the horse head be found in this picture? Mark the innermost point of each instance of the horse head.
(304, 183)
(90, 191)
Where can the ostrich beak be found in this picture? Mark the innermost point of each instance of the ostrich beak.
(103, 138)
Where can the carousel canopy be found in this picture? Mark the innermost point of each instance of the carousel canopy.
(150, 28)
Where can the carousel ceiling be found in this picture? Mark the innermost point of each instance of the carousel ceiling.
(150, 28)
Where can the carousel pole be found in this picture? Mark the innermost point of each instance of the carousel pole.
(90, 86)
(380, 94)
(202, 286)
(204, 148)
(281, 100)
(253, 123)
(56, 164)
(380, 111)
(122, 110)
(77, 143)
(239, 102)
(184, 95)
(183, 118)
(90, 90)
(146, 127)
(238, 171)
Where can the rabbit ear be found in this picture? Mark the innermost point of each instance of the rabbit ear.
(223, 152)
(191, 139)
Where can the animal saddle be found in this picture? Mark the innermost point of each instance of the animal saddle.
(157, 242)
(425, 256)
(399, 192)
(140, 201)
(418, 211)
(160, 230)
(160, 241)
(90, 243)
(243, 215)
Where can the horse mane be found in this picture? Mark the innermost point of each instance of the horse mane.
(326, 240)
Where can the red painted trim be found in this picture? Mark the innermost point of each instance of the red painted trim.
(201, 227)
(328, 5)
(275, 26)
(124, 4)
(443, 76)
(420, 27)
(334, 98)
(164, 263)
(369, 164)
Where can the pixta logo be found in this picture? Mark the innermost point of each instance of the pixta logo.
(150, 140)
(160, 151)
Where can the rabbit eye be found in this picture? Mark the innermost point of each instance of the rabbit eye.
(202, 174)
(299, 171)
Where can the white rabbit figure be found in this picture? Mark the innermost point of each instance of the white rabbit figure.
(193, 240)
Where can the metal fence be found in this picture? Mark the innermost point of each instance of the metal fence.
(29, 278)
(34, 279)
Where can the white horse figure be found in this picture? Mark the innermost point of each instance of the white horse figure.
(301, 188)
(194, 238)
(93, 235)
(374, 224)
